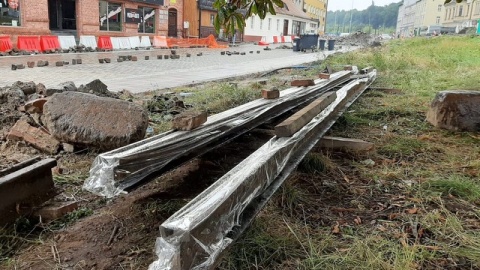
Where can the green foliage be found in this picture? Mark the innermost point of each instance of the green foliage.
(231, 15)
(456, 185)
(368, 20)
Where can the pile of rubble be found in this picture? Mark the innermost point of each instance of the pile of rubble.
(69, 117)
(356, 39)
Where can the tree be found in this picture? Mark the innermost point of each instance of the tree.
(231, 14)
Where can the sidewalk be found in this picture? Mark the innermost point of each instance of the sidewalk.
(145, 75)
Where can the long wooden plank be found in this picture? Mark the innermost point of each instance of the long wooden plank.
(295, 122)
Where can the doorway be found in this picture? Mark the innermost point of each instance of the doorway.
(62, 14)
(172, 22)
(285, 27)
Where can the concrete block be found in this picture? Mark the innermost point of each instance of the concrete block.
(31, 64)
(295, 122)
(79, 61)
(59, 63)
(108, 60)
(134, 58)
(101, 61)
(147, 57)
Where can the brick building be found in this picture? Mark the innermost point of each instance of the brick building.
(91, 17)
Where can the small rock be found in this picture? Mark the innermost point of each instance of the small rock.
(69, 148)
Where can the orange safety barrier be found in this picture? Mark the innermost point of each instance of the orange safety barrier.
(209, 42)
(28, 43)
(105, 43)
(5, 44)
(160, 42)
(48, 43)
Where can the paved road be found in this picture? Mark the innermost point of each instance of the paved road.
(146, 75)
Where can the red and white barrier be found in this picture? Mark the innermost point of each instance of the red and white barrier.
(67, 42)
(145, 42)
(88, 41)
(134, 42)
(275, 40)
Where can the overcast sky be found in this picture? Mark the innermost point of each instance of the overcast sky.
(357, 4)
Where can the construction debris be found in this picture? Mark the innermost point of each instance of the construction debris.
(189, 120)
(302, 83)
(134, 163)
(196, 235)
(270, 94)
(37, 137)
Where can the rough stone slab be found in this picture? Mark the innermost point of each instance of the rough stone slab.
(38, 138)
(189, 120)
(345, 143)
(56, 210)
(105, 123)
(35, 106)
(270, 94)
(302, 83)
(457, 110)
(28, 187)
(295, 122)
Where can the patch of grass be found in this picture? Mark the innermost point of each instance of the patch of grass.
(220, 97)
(162, 208)
(402, 147)
(456, 185)
(266, 245)
(70, 218)
(312, 163)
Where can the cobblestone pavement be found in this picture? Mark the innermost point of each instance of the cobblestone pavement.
(145, 75)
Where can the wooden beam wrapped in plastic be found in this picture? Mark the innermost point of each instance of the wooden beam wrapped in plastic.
(122, 169)
(196, 236)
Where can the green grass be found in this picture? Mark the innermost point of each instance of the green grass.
(419, 205)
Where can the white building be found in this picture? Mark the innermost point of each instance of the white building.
(290, 20)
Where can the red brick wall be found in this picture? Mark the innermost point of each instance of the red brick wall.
(34, 20)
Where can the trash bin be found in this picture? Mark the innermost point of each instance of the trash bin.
(308, 42)
(331, 44)
(296, 44)
(322, 44)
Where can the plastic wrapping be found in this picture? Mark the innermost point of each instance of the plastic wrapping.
(113, 172)
(193, 237)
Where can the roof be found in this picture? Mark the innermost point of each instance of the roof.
(291, 9)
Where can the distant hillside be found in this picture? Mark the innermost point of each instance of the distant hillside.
(370, 19)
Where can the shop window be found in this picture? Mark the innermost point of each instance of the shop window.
(147, 20)
(110, 16)
(9, 12)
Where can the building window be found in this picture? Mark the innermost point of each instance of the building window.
(147, 20)
(110, 16)
(252, 22)
(439, 8)
(477, 8)
(269, 23)
(460, 11)
(278, 24)
(212, 19)
(438, 20)
(10, 13)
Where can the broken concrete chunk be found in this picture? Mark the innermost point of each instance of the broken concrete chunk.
(302, 83)
(456, 110)
(27, 88)
(324, 76)
(86, 119)
(35, 106)
(98, 88)
(38, 138)
(189, 120)
(69, 148)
